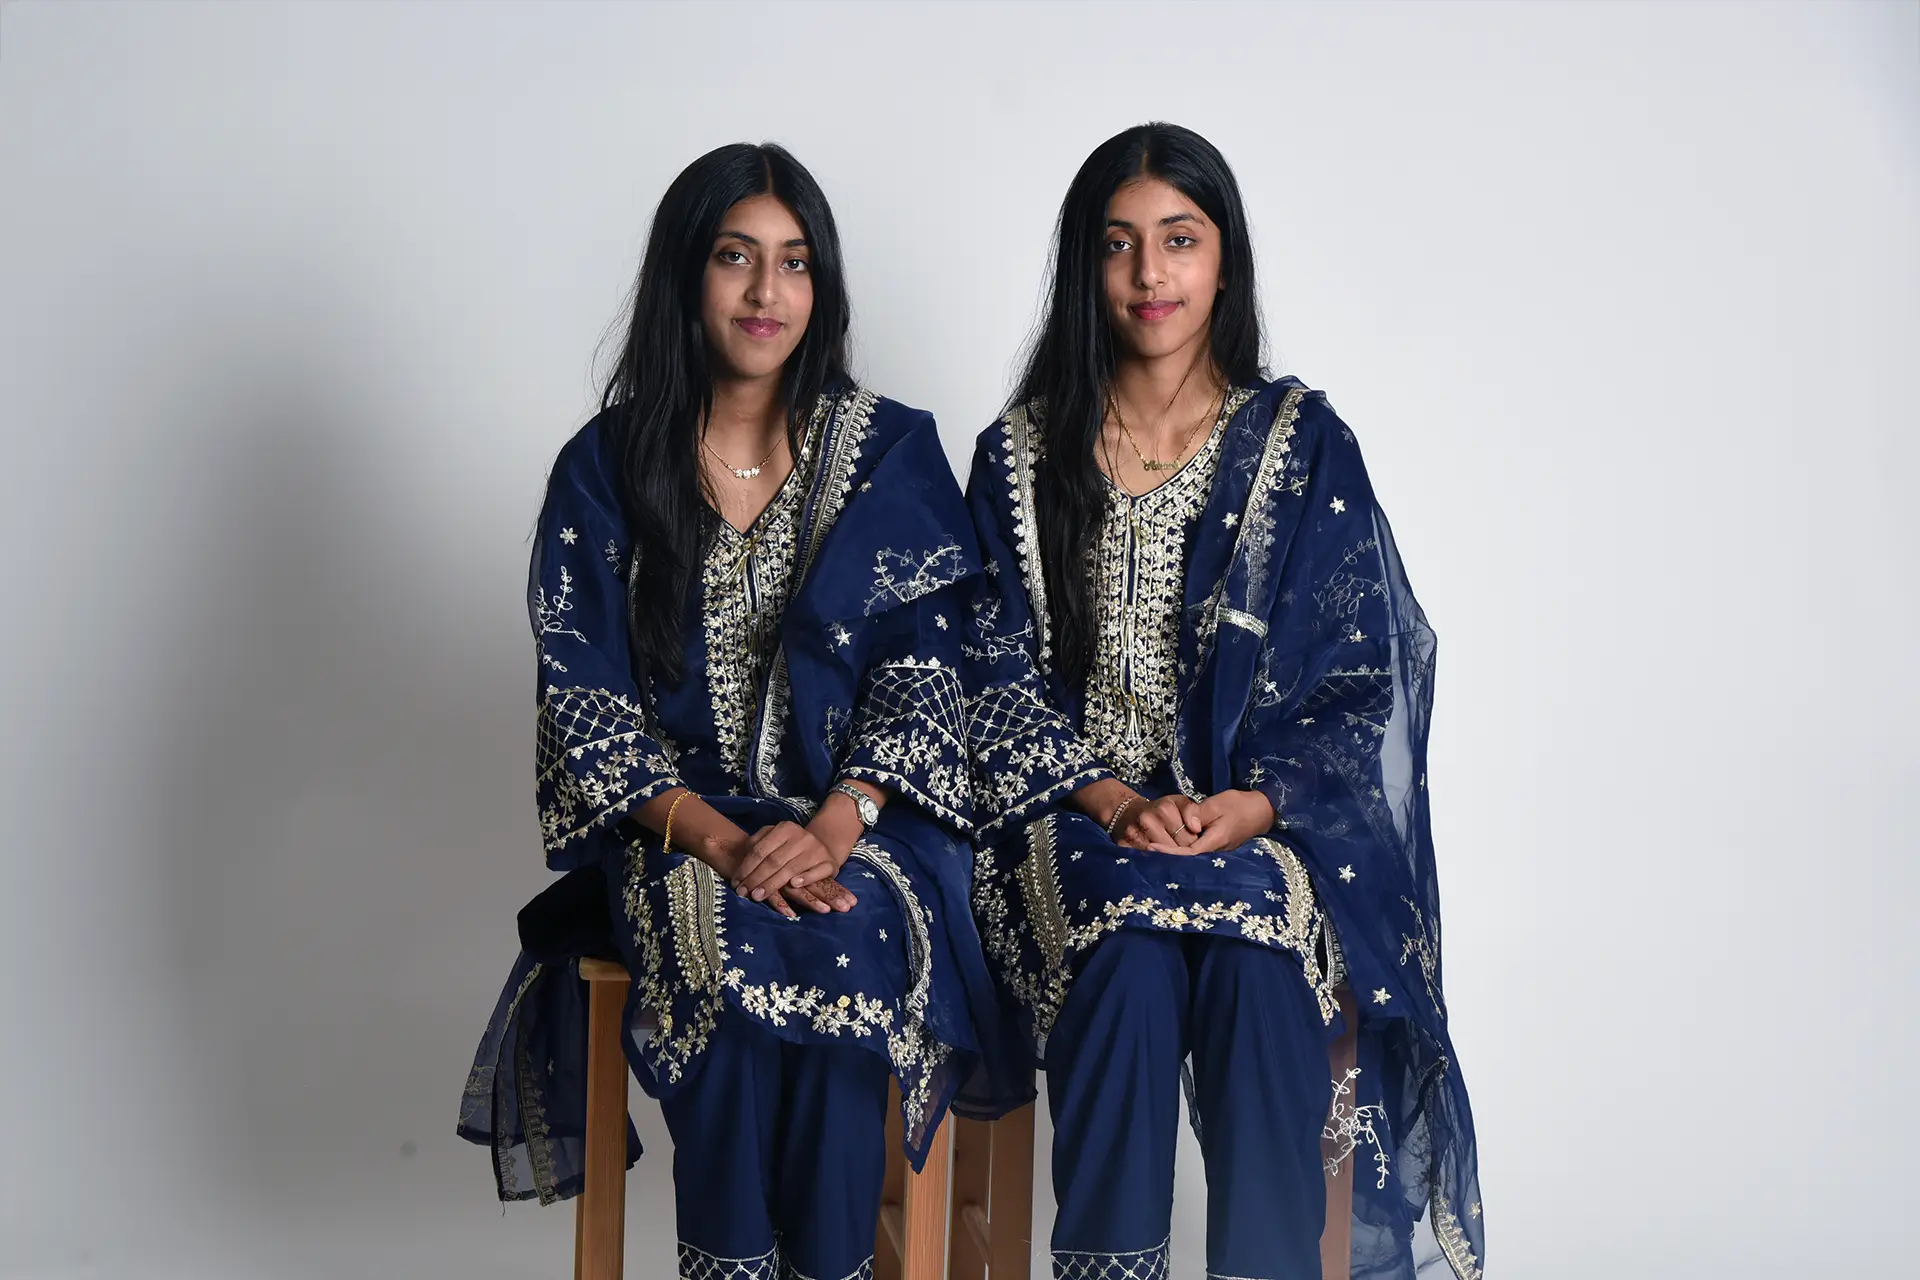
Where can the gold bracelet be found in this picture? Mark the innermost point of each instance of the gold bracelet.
(1118, 809)
(666, 837)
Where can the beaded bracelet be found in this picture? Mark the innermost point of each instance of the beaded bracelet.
(1118, 809)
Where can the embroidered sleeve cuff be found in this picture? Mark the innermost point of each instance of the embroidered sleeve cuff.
(596, 764)
(1025, 756)
(910, 738)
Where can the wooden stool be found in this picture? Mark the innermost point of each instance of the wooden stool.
(987, 1234)
(911, 1241)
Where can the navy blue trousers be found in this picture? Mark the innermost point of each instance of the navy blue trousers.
(1140, 1004)
(779, 1151)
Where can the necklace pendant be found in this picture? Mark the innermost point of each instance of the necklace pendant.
(1157, 466)
(745, 473)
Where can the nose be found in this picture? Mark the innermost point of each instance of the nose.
(763, 286)
(1149, 267)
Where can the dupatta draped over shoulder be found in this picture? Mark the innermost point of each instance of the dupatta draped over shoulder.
(1305, 671)
(823, 643)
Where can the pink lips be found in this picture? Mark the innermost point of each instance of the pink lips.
(1158, 309)
(760, 326)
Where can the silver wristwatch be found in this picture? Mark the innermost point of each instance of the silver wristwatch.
(863, 803)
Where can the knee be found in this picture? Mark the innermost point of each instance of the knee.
(1134, 972)
(1233, 973)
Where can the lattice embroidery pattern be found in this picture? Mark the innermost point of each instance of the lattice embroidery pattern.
(591, 744)
(911, 735)
(1146, 1264)
(862, 1272)
(1023, 753)
(698, 1264)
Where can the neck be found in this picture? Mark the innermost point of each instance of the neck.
(1159, 395)
(746, 412)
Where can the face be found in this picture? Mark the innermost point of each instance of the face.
(758, 293)
(1162, 269)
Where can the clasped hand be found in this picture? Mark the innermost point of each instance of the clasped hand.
(1178, 824)
(787, 865)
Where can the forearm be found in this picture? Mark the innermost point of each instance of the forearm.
(1099, 799)
(699, 830)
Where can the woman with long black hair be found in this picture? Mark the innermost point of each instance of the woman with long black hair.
(746, 598)
(1199, 688)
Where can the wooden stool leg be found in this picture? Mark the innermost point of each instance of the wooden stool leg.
(923, 1251)
(1336, 1239)
(1010, 1198)
(890, 1240)
(967, 1233)
(600, 1229)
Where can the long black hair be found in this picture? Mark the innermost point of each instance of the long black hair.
(1070, 361)
(662, 387)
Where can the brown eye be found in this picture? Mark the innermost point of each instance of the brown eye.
(796, 264)
(1118, 246)
(1181, 242)
(733, 257)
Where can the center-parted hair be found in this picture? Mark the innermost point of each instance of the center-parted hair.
(662, 387)
(1070, 361)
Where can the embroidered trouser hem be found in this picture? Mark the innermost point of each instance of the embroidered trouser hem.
(1142, 1002)
(779, 1151)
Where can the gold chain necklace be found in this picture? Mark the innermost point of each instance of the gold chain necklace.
(1155, 464)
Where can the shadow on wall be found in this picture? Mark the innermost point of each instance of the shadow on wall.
(345, 824)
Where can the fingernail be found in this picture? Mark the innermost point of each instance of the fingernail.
(759, 895)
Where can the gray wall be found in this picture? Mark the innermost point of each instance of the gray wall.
(299, 301)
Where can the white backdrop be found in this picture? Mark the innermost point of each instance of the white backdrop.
(296, 304)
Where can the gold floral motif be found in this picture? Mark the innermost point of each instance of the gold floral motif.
(745, 584)
(1299, 930)
(1138, 562)
(594, 752)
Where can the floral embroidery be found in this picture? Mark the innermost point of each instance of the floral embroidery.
(1350, 1127)
(911, 736)
(745, 583)
(900, 578)
(550, 612)
(1138, 563)
(595, 762)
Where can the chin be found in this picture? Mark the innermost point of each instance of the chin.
(755, 363)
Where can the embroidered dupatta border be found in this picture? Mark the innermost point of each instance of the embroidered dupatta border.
(853, 418)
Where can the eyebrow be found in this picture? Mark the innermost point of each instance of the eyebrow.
(801, 243)
(1167, 221)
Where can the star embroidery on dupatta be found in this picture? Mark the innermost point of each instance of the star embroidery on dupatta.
(1075, 857)
(1346, 873)
(841, 636)
(1173, 886)
(569, 537)
(842, 961)
(1339, 505)
(1219, 862)
(1357, 636)
(940, 621)
(993, 568)
(883, 935)
(747, 947)
(1381, 996)
(1473, 1210)
(1230, 519)
(1123, 861)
